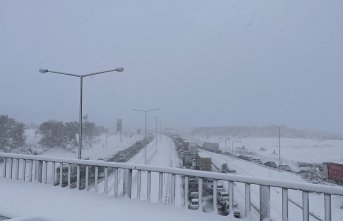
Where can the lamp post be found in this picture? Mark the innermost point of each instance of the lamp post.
(161, 129)
(145, 118)
(279, 147)
(234, 141)
(226, 139)
(156, 120)
(44, 71)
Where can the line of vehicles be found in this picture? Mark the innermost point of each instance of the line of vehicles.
(121, 156)
(311, 172)
(128, 153)
(222, 197)
(190, 158)
(215, 149)
(270, 164)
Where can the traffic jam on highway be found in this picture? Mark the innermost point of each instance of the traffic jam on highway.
(190, 159)
(121, 157)
(198, 157)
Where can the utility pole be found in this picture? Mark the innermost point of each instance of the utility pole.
(279, 148)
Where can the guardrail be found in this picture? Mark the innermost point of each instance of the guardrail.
(64, 172)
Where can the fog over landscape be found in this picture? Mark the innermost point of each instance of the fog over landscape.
(171, 110)
(203, 63)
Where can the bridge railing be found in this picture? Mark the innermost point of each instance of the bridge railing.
(87, 174)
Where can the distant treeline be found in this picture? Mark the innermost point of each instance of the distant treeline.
(63, 134)
(52, 134)
(269, 131)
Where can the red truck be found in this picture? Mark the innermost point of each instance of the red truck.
(335, 172)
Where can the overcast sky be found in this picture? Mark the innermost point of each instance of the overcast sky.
(203, 63)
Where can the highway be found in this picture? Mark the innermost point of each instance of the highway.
(248, 168)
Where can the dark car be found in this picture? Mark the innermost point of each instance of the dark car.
(244, 157)
(270, 164)
(257, 161)
(228, 153)
(285, 167)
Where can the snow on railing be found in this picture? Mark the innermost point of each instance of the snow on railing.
(84, 174)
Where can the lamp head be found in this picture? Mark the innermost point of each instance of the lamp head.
(43, 71)
(120, 69)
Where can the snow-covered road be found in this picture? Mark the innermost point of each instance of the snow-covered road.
(163, 155)
(295, 198)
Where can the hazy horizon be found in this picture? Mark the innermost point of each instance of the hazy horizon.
(202, 63)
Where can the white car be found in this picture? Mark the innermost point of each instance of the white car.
(193, 204)
(223, 197)
(220, 188)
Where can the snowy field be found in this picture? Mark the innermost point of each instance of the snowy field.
(292, 149)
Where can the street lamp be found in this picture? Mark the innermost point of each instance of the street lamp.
(44, 71)
(156, 120)
(146, 115)
(226, 139)
(161, 129)
(234, 141)
(279, 147)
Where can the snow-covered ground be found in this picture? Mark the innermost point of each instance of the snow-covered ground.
(48, 203)
(292, 149)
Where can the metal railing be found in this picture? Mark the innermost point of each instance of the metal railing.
(88, 174)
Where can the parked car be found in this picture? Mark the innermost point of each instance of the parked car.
(271, 164)
(193, 204)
